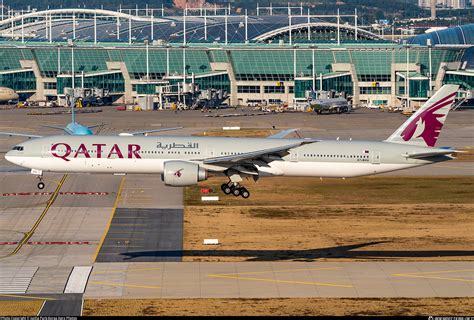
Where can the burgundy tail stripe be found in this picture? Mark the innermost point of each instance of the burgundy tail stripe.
(442, 100)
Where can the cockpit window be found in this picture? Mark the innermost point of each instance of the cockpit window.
(18, 148)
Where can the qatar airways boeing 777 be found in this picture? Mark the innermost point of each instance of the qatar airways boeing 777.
(186, 160)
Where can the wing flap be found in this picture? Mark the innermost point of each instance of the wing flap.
(282, 134)
(148, 131)
(270, 153)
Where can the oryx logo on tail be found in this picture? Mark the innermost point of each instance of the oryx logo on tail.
(428, 123)
(423, 128)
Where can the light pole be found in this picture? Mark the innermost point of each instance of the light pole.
(130, 30)
(289, 28)
(152, 28)
(184, 28)
(59, 71)
(147, 61)
(74, 25)
(407, 77)
(22, 30)
(73, 98)
(428, 43)
(95, 27)
(313, 71)
(246, 26)
(225, 27)
(205, 24)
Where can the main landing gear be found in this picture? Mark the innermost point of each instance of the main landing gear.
(236, 189)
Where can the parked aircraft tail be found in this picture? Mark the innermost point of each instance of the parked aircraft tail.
(424, 126)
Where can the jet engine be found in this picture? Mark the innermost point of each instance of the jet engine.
(182, 173)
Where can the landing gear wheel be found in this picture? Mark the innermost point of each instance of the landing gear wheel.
(244, 193)
(223, 186)
(236, 192)
(40, 185)
(227, 189)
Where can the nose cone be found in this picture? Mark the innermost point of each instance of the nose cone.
(79, 130)
(10, 157)
(83, 131)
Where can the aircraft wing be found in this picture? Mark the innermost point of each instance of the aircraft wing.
(59, 128)
(136, 133)
(266, 155)
(54, 127)
(434, 153)
(97, 125)
(13, 134)
(281, 134)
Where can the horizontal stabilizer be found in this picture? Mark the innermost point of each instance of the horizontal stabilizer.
(144, 132)
(96, 126)
(428, 154)
(12, 134)
(53, 127)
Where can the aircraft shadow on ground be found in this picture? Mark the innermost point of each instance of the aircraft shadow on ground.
(339, 252)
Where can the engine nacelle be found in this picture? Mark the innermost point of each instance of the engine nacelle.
(182, 173)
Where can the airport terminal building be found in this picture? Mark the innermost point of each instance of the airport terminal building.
(271, 58)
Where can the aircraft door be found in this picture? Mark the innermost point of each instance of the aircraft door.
(46, 152)
(376, 157)
(293, 155)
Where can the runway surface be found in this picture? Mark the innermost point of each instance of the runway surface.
(75, 230)
(281, 279)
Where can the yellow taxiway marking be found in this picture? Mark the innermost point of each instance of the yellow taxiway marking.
(427, 275)
(126, 270)
(282, 281)
(234, 276)
(132, 196)
(122, 285)
(30, 233)
(110, 220)
(25, 297)
(276, 271)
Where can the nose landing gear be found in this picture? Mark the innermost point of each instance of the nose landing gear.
(40, 184)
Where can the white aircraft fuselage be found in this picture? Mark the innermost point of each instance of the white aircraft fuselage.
(112, 154)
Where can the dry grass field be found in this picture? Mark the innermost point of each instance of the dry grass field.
(376, 218)
(20, 308)
(280, 307)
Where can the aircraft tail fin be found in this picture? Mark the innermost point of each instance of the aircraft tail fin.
(424, 126)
